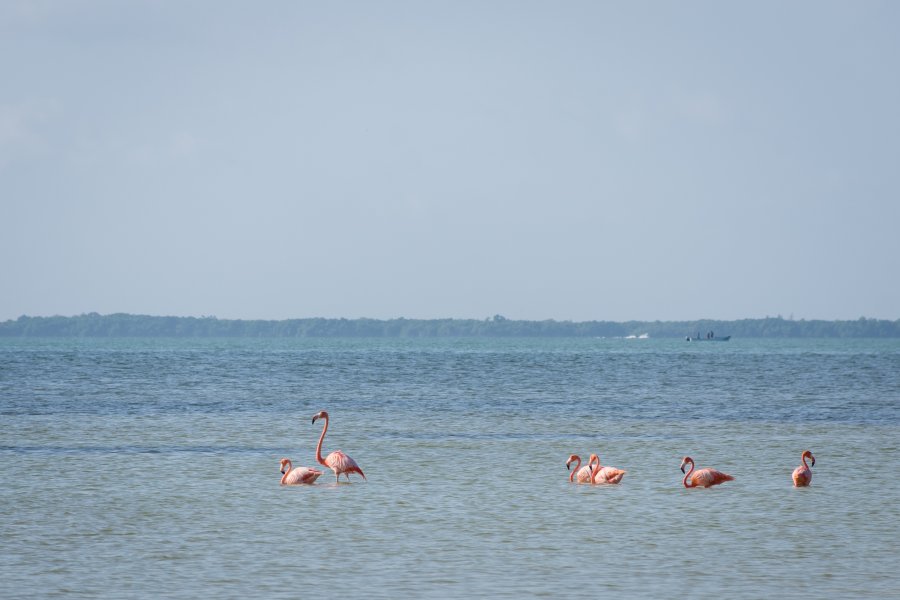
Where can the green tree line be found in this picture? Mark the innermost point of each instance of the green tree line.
(127, 325)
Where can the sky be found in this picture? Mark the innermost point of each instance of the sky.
(578, 161)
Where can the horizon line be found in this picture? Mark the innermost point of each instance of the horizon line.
(497, 317)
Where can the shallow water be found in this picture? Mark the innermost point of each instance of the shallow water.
(150, 468)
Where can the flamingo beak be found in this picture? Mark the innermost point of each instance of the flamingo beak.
(682, 467)
(282, 471)
(813, 460)
(314, 419)
(567, 467)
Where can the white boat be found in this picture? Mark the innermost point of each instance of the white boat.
(710, 337)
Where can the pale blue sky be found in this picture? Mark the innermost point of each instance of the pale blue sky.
(541, 160)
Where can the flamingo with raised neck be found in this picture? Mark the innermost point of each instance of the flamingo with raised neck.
(337, 461)
(601, 474)
(579, 474)
(802, 475)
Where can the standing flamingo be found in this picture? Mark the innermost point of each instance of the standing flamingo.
(293, 476)
(703, 477)
(600, 474)
(583, 474)
(337, 461)
(802, 475)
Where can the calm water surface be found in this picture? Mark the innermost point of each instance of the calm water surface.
(135, 468)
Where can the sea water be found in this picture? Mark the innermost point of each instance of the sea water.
(149, 468)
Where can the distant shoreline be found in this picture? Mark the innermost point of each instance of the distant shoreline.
(128, 325)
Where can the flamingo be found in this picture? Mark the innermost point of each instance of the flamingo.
(337, 461)
(802, 475)
(293, 476)
(600, 474)
(582, 473)
(703, 477)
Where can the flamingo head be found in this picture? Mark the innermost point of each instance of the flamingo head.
(593, 459)
(285, 463)
(812, 459)
(572, 459)
(320, 415)
(686, 460)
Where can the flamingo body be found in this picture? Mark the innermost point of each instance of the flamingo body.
(601, 474)
(702, 477)
(579, 474)
(802, 475)
(297, 475)
(608, 475)
(340, 463)
(337, 461)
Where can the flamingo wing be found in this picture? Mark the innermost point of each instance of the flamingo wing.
(300, 475)
(708, 477)
(802, 476)
(583, 475)
(341, 463)
(609, 475)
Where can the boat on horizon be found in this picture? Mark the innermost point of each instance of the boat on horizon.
(709, 337)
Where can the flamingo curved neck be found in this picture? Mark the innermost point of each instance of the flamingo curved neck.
(594, 469)
(686, 475)
(287, 471)
(803, 459)
(576, 469)
(319, 458)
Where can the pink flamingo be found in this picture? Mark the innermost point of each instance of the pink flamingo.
(297, 475)
(703, 477)
(337, 461)
(600, 474)
(582, 473)
(802, 475)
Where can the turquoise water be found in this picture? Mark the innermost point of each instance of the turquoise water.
(135, 468)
